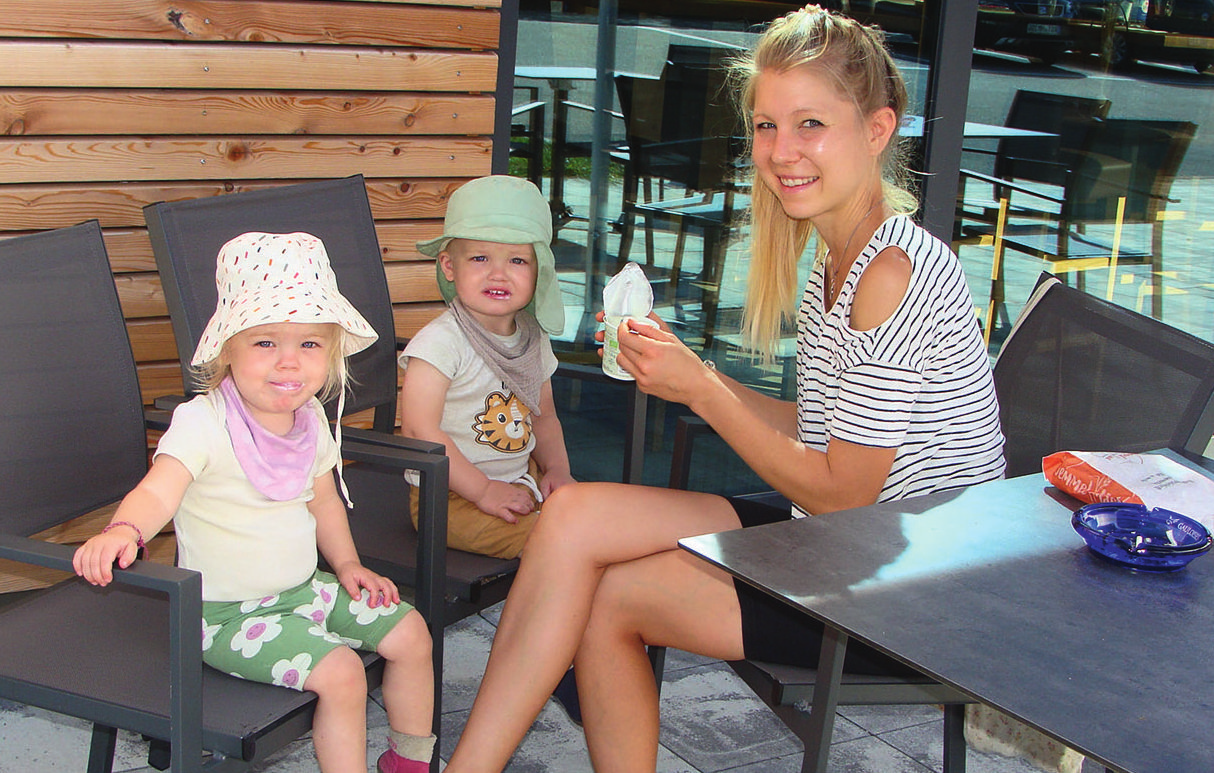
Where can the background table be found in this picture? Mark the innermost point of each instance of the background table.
(990, 590)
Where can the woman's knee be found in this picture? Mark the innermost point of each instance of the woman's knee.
(569, 512)
(340, 673)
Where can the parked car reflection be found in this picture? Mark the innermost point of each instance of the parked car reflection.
(1122, 32)
(1037, 28)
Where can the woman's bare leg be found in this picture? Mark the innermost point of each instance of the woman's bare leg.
(670, 599)
(584, 528)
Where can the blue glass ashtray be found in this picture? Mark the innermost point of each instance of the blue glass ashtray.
(1155, 540)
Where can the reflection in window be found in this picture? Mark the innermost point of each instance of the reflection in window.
(1109, 195)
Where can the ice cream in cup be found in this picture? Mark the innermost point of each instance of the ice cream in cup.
(626, 296)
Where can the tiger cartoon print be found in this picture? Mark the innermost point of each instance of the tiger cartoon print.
(504, 425)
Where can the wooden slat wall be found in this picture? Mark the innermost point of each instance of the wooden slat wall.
(109, 105)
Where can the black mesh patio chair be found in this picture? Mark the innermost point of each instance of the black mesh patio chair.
(186, 237)
(1079, 373)
(73, 434)
(1076, 373)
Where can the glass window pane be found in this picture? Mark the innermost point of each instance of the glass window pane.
(1105, 184)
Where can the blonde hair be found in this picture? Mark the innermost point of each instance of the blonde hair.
(855, 57)
(209, 375)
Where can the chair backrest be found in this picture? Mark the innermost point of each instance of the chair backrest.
(680, 127)
(1078, 373)
(72, 435)
(1066, 118)
(186, 237)
(1134, 160)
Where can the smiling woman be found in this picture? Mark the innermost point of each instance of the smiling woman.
(894, 398)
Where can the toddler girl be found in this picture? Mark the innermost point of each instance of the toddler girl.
(246, 473)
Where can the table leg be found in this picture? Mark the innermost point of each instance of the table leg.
(826, 701)
(954, 738)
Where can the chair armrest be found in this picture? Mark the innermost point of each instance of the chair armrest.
(584, 373)
(156, 419)
(590, 109)
(396, 458)
(980, 151)
(371, 437)
(999, 181)
(183, 588)
(141, 574)
(433, 469)
(518, 110)
(169, 402)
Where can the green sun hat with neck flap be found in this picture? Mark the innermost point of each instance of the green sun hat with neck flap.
(506, 210)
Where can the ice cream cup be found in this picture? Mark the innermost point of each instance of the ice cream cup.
(611, 345)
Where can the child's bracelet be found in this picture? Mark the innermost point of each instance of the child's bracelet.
(139, 543)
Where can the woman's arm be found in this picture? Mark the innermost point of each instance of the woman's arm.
(423, 396)
(550, 452)
(761, 430)
(142, 514)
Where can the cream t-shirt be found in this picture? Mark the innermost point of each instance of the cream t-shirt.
(246, 545)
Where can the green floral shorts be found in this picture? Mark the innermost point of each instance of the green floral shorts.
(279, 639)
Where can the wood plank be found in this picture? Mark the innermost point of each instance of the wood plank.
(412, 317)
(254, 20)
(412, 283)
(26, 208)
(249, 66)
(129, 250)
(141, 295)
(79, 112)
(159, 379)
(468, 3)
(398, 239)
(408, 199)
(103, 159)
(152, 339)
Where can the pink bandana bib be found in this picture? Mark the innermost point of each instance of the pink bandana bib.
(280, 467)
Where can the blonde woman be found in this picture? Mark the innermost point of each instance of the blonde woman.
(894, 399)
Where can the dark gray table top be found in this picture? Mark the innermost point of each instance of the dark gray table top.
(990, 590)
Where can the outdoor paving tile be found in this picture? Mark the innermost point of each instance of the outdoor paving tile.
(553, 745)
(465, 653)
(925, 743)
(868, 754)
(882, 719)
(790, 763)
(710, 718)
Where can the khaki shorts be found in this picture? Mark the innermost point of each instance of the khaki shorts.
(477, 532)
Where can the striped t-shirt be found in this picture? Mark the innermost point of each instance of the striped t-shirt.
(919, 382)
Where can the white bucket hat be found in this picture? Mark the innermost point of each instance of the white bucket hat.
(265, 278)
(506, 210)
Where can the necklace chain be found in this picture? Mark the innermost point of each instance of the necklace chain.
(832, 276)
